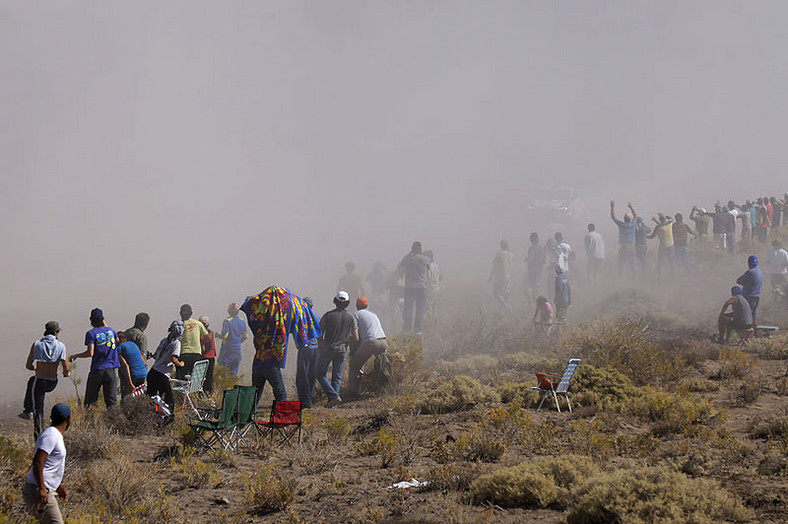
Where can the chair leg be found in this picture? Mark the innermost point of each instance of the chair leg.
(556, 401)
(566, 395)
(544, 397)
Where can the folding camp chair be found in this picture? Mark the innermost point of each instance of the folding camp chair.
(193, 386)
(547, 388)
(244, 412)
(285, 421)
(219, 433)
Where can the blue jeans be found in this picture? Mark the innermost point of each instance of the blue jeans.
(337, 360)
(305, 376)
(230, 358)
(268, 371)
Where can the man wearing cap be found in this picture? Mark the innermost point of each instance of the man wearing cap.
(43, 483)
(102, 349)
(414, 267)
(233, 334)
(306, 365)
(339, 329)
(777, 262)
(751, 281)
(740, 319)
(44, 357)
(191, 348)
(372, 341)
(136, 333)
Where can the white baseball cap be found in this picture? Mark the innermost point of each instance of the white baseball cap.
(342, 296)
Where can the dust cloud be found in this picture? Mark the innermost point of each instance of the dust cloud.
(160, 153)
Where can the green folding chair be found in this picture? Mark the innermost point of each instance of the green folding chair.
(192, 388)
(244, 412)
(220, 433)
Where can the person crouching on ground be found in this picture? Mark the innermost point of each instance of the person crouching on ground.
(372, 341)
(166, 357)
(739, 319)
(339, 329)
(44, 480)
(133, 370)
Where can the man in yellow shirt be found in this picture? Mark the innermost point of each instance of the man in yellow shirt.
(664, 232)
(191, 349)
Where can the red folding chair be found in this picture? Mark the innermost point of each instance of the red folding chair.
(285, 421)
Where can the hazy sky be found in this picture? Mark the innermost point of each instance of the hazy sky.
(160, 152)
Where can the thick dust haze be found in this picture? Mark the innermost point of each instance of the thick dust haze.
(160, 153)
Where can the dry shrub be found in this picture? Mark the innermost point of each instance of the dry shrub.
(406, 355)
(527, 362)
(448, 477)
(603, 388)
(672, 413)
(469, 364)
(773, 426)
(15, 460)
(749, 391)
(700, 385)
(735, 365)
(134, 417)
(337, 428)
(646, 495)
(314, 457)
(507, 423)
(782, 386)
(376, 415)
(90, 437)
(457, 394)
(512, 393)
(640, 308)
(477, 444)
(384, 445)
(775, 348)
(193, 472)
(773, 464)
(116, 485)
(266, 492)
(625, 347)
(545, 482)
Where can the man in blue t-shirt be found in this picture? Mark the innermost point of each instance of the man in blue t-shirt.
(626, 239)
(751, 281)
(102, 348)
(132, 369)
(234, 332)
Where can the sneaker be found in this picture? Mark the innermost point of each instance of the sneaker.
(332, 402)
(27, 415)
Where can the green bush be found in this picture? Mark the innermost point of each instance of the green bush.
(517, 393)
(545, 482)
(457, 394)
(647, 495)
(672, 413)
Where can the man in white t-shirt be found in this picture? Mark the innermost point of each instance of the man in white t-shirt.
(43, 483)
(777, 262)
(595, 250)
(372, 341)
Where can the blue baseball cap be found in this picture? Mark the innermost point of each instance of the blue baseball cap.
(60, 412)
(752, 261)
(736, 290)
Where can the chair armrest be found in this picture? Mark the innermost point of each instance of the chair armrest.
(178, 382)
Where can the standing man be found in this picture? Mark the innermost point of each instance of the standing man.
(44, 357)
(339, 329)
(777, 262)
(274, 314)
(751, 281)
(133, 370)
(102, 349)
(595, 250)
(233, 334)
(534, 265)
(730, 226)
(626, 239)
(642, 232)
(501, 274)
(681, 232)
(434, 277)
(745, 215)
(664, 231)
(136, 333)
(44, 481)
(415, 268)
(701, 220)
(563, 294)
(351, 281)
(191, 348)
(306, 365)
(208, 344)
(372, 342)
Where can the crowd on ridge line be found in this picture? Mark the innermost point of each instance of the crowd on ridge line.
(757, 218)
